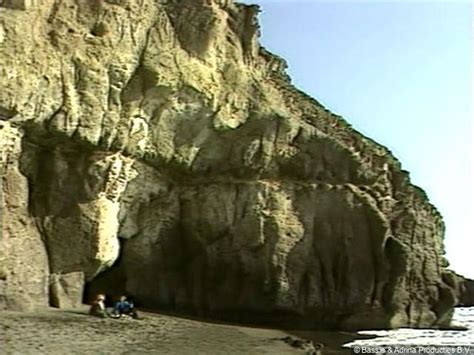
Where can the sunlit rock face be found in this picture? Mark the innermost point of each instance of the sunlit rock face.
(161, 138)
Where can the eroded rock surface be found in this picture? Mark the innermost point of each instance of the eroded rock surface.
(66, 290)
(161, 136)
(464, 289)
(466, 298)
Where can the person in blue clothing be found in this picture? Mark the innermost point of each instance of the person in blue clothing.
(125, 307)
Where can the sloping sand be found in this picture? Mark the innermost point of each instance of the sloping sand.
(53, 331)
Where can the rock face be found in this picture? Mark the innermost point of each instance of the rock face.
(464, 289)
(466, 298)
(66, 291)
(160, 136)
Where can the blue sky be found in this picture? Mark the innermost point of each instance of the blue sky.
(401, 73)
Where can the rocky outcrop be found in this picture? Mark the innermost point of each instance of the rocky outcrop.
(464, 289)
(466, 298)
(66, 291)
(160, 136)
(24, 268)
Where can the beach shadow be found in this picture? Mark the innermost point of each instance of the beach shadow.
(332, 341)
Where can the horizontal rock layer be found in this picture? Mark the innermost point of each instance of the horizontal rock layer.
(160, 136)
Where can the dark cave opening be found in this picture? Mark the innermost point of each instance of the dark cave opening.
(111, 283)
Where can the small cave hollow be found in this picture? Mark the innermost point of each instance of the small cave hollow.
(111, 283)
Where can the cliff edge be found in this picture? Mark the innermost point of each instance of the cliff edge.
(160, 138)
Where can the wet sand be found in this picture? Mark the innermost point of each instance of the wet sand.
(53, 331)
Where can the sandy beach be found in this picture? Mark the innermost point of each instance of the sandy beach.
(54, 331)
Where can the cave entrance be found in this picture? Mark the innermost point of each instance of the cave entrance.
(111, 282)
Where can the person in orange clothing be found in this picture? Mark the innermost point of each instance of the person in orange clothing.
(98, 307)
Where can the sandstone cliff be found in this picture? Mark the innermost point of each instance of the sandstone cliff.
(160, 136)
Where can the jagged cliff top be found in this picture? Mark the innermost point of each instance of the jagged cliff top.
(110, 73)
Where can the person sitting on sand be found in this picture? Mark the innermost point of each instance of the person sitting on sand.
(98, 307)
(125, 308)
